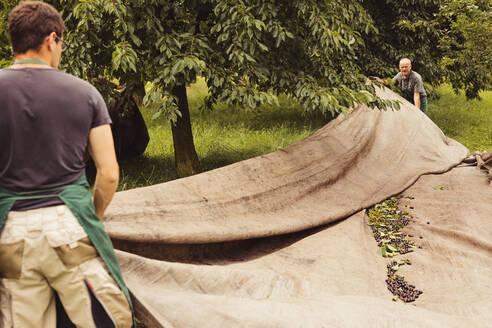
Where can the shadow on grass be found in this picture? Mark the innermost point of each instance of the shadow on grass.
(145, 170)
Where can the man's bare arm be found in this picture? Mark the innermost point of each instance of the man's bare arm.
(416, 99)
(101, 149)
(386, 82)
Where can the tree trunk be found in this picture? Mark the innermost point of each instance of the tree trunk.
(138, 93)
(185, 156)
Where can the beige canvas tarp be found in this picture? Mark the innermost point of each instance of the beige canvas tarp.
(282, 240)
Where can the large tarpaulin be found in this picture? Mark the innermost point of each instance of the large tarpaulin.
(282, 240)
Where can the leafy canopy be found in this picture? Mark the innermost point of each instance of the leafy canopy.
(5, 52)
(248, 51)
(447, 41)
(466, 44)
(317, 52)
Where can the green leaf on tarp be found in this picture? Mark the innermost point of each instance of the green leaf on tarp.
(392, 248)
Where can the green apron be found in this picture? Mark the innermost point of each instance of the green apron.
(408, 95)
(78, 199)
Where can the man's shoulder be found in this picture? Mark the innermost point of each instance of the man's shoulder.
(69, 78)
(416, 76)
(73, 84)
(49, 76)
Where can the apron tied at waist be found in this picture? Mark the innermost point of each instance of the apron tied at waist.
(78, 199)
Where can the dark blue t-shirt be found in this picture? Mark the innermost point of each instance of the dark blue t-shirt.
(45, 119)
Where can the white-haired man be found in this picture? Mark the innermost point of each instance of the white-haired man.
(410, 84)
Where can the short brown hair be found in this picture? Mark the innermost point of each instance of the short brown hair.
(30, 22)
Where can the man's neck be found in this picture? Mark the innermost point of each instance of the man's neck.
(32, 55)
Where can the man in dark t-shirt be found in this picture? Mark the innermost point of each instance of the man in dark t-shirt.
(44, 137)
(52, 243)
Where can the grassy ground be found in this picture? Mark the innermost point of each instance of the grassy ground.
(468, 122)
(227, 135)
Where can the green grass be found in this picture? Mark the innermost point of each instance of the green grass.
(468, 122)
(230, 134)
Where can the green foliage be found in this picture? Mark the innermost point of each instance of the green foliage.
(466, 44)
(403, 30)
(5, 49)
(317, 52)
(447, 40)
(249, 52)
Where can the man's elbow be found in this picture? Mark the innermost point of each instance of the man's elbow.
(109, 175)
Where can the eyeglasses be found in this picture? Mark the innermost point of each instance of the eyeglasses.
(64, 44)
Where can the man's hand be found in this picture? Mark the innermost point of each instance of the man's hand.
(101, 149)
(375, 78)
